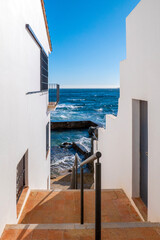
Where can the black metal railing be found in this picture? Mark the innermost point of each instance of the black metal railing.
(53, 100)
(74, 176)
(53, 92)
(93, 138)
(92, 158)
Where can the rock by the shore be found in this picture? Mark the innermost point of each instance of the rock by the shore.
(72, 125)
(93, 131)
(66, 145)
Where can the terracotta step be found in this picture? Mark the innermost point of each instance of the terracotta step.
(110, 231)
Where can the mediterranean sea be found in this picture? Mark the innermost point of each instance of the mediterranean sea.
(77, 105)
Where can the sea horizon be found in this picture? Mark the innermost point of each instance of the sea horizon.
(88, 87)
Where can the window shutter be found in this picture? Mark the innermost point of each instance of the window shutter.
(44, 71)
(47, 138)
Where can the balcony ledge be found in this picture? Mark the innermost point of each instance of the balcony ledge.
(52, 106)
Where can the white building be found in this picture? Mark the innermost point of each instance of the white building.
(24, 129)
(130, 144)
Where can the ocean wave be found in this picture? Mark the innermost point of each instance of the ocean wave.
(76, 99)
(63, 116)
(62, 164)
(85, 142)
(68, 106)
(99, 110)
(63, 160)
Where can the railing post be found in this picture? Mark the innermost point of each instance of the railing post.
(76, 163)
(73, 178)
(98, 201)
(92, 142)
(82, 196)
(57, 93)
(97, 194)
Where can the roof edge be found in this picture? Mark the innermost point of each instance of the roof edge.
(46, 24)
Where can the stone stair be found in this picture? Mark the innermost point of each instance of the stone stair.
(56, 215)
(110, 231)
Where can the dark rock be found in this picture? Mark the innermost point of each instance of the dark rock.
(72, 125)
(66, 145)
(91, 130)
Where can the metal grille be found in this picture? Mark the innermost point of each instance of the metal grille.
(20, 182)
(47, 138)
(53, 92)
(44, 71)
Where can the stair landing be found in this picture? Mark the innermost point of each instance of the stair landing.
(50, 215)
(44, 207)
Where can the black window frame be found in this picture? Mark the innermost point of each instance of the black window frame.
(20, 177)
(43, 63)
(43, 71)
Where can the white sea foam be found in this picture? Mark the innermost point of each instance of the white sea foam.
(61, 105)
(99, 110)
(68, 106)
(86, 142)
(63, 116)
(64, 162)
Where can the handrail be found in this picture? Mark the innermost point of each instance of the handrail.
(74, 176)
(76, 155)
(93, 138)
(92, 158)
(74, 184)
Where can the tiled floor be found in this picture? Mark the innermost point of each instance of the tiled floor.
(107, 234)
(64, 207)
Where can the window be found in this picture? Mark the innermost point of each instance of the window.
(44, 71)
(20, 181)
(43, 63)
(47, 138)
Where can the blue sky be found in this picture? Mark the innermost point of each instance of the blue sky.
(89, 41)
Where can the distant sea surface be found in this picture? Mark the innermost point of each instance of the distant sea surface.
(77, 105)
(86, 104)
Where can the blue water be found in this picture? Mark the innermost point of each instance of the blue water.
(86, 104)
(78, 104)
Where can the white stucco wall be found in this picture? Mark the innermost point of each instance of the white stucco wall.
(140, 80)
(23, 117)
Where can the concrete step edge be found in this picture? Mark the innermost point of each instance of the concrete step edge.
(71, 226)
(73, 190)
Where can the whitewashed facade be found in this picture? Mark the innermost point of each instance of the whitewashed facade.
(23, 116)
(123, 140)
